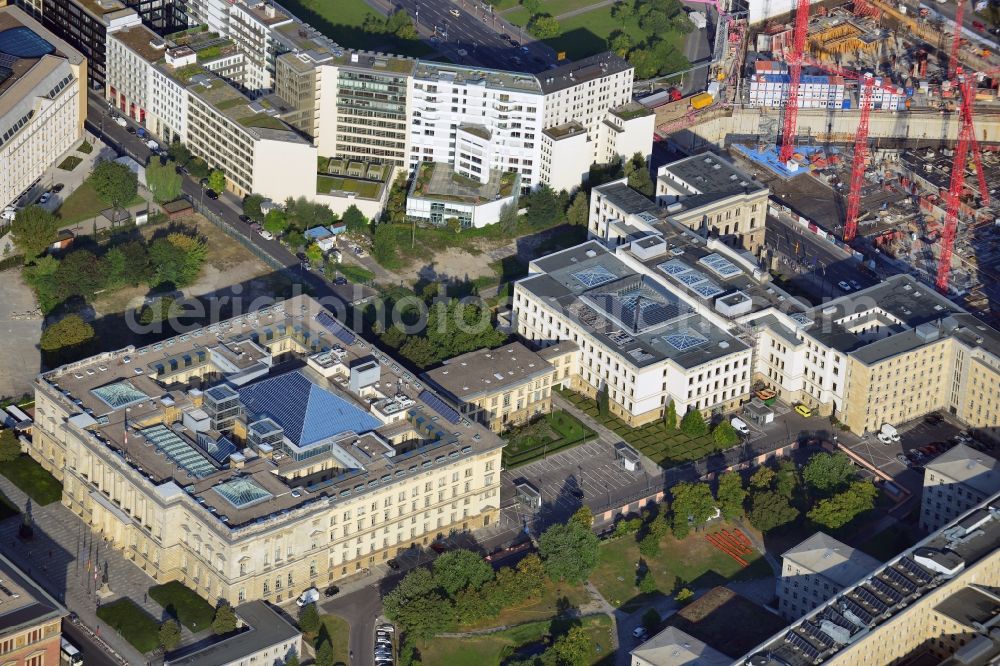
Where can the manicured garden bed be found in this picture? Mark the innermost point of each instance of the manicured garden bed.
(553, 432)
(134, 624)
(30, 477)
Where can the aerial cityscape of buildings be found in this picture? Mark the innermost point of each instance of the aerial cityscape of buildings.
(671, 341)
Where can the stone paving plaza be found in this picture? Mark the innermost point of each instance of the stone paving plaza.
(57, 558)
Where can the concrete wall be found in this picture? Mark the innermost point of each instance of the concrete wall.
(283, 169)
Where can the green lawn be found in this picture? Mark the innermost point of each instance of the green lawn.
(31, 478)
(183, 603)
(339, 631)
(355, 273)
(341, 21)
(134, 624)
(693, 562)
(490, 650)
(521, 16)
(83, 204)
(666, 447)
(363, 188)
(586, 34)
(85, 148)
(553, 432)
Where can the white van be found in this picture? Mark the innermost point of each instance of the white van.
(739, 425)
(888, 434)
(310, 596)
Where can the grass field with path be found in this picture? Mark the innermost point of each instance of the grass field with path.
(32, 479)
(693, 562)
(543, 607)
(133, 623)
(341, 21)
(184, 603)
(488, 650)
(84, 204)
(339, 631)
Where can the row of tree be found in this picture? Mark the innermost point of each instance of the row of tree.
(650, 49)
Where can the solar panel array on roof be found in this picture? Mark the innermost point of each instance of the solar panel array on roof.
(838, 619)
(816, 635)
(440, 406)
(720, 265)
(340, 331)
(899, 581)
(870, 601)
(242, 492)
(887, 592)
(915, 571)
(178, 450)
(802, 645)
(594, 276)
(864, 617)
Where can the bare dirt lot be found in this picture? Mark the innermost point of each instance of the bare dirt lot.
(20, 331)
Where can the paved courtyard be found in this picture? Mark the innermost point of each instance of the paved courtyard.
(20, 331)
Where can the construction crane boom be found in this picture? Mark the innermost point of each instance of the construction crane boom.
(860, 156)
(795, 74)
(965, 138)
(956, 40)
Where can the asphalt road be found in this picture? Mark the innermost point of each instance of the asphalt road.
(93, 654)
(227, 206)
(474, 36)
(361, 608)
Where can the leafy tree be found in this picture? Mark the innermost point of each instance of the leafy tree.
(693, 424)
(276, 222)
(10, 447)
(417, 605)
(297, 239)
(770, 509)
(163, 180)
(170, 635)
(217, 180)
(324, 654)
(395, 206)
(508, 218)
(530, 575)
(620, 42)
(725, 435)
(533, 6)
(70, 331)
(835, 512)
(158, 310)
(762, 478)
(693, 506)
(292, 660)
(309, 621)
(584, 516)
(649, 545)
(393, 338)
(33, 231)
(731, 495)
(638, 175)
(314, 254)
(579, 211)
(683, 595)
(569, 552)
(383, 244)
(573, 648)
(627, 526)
(622, 11)
(670, 415)
(603, 402)
(543, 207)
(251, 207)
(224, 621)
(659, 527)
(420, 351)
(198, 168)
(355, 220)
(459, 569)
(115, 184)
(828, 472)
(786, 478)
(179, 153)
(544, 26)
(651, 620)
(177, 259)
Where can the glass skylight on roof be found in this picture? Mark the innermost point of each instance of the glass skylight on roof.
(720, 265)
(242, 492)
(691, 278)
(674, 267)
(120, 394)
(594, 276)
(179, 451)
(685, 341)
(708, 289)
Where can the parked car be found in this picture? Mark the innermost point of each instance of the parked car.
(130, 129)
(802, 410)
(308, 597)
(739, 425)
(979, 25)
(57, 188)
(9, 213)
(120, 121)
(44, 199)
(640, 633)
(340, 280)
(933, 418)
(152, 145)
(245, 219)
(331, 591)
(211, 194)
(844, 286)
(393, 564)
(386, 627)
(903, 459)
(266, 235)
(455, 12)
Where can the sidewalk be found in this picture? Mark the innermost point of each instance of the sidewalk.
(57, 559)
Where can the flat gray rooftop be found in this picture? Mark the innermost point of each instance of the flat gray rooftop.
(708, 178)
(632, 315)
(487, 371)
(264, 629)
(581, 71)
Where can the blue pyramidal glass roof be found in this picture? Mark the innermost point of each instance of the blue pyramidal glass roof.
(306, 412)
(24, 42)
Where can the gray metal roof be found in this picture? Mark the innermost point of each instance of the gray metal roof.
(265, 628)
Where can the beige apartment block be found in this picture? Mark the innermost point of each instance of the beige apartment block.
(205, 459)
(815, 570)
(954, 482)
(504, 387)
(926, 605)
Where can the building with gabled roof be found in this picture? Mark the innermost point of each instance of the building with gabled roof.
(812, 571)
(954, 482)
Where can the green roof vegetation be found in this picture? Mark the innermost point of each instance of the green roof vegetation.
(363, 188)
(230, 103)
(631, 112)
(263, 121)
(187, 72)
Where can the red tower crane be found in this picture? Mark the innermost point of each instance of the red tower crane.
(795, 74)
(860, 155)
(956, 39)
(966, 142)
